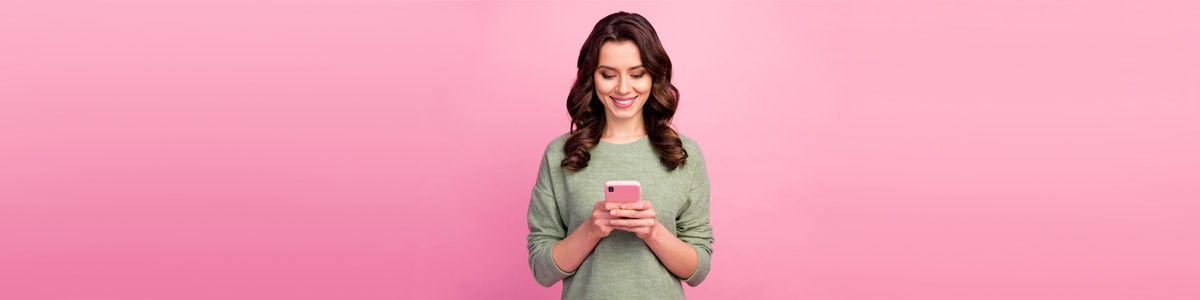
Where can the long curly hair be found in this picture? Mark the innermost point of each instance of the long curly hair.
(587, 110)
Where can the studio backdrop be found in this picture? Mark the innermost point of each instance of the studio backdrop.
(268, 149)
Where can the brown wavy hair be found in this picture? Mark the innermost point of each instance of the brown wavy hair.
(586, 110)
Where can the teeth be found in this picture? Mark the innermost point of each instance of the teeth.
(624, 102)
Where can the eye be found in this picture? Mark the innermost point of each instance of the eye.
(606, 76)
(638, 75)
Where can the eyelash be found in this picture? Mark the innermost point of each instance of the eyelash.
(611, 76)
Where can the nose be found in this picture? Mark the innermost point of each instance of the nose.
(623, 87)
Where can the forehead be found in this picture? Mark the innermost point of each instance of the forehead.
(621, 55)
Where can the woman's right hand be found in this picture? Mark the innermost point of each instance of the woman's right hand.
(599, 225)
(570, 252)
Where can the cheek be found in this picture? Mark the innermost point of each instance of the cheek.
(603, 87)
(643, 86)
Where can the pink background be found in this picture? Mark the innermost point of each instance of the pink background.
(386, 150)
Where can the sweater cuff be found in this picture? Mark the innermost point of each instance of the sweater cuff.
(546, 271)
(703, 265)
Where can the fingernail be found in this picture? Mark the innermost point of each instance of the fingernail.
(622, 206)
(612, 212)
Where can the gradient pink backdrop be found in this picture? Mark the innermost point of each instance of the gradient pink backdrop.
(386, 150)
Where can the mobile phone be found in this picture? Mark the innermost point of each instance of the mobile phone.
(622, 191)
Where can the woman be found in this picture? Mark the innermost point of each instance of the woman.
(621, 107)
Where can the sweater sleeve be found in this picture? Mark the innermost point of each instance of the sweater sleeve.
(692, 223)
(546, 228)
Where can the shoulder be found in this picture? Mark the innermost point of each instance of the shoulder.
(695, 156)
(689, 144)
(695, 164)
(554, 149)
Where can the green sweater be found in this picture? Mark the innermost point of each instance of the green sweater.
(621, 266)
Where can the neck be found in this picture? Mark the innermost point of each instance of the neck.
(624, 129)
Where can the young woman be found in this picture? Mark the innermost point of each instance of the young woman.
(621, 107)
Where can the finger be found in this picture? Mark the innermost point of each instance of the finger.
(634, 229)
(633, 214)
(620, 213)
(631, 222)
(612, 205)
(645, 205)
(607, 206)
(639, 205)
(603, 223)
(624, 205)
(602, 215)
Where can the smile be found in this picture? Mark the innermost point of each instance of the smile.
(623, 102)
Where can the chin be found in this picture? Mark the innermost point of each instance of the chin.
(624, 115)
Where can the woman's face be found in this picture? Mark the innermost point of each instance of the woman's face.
(622, 84)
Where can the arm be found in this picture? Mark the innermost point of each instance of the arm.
(570, 252)
(679, 257)
(546, 230)
(692, 224)
(553, 254)
(688, 254)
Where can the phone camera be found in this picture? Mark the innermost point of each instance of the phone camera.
(610, 189)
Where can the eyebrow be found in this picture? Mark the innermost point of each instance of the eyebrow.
(614, 69)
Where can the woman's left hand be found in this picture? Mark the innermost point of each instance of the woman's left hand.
(636, 217)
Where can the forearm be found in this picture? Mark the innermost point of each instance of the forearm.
(679, 257)
(570, 252)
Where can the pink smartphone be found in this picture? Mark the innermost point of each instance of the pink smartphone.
(622, 191)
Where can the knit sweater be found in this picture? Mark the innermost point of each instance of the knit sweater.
(621, 266)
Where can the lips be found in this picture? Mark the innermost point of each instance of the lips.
(623, 102)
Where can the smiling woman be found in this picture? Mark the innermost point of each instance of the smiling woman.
(621, 108)
(621, 59)
(619, 87)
